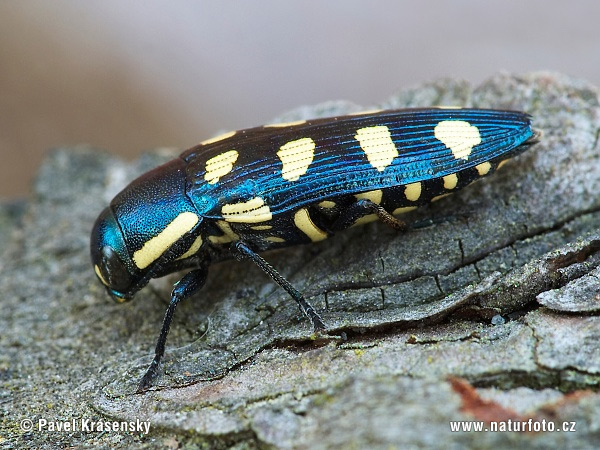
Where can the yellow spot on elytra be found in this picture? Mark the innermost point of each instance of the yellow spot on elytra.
(459, 136)
(284, 124)
(220, 165)
(327, 204)
(305, 224)
(365, 219)
(261, 227)
(251, 211)
(97, 270)
(501, 163)
(450, 181)
(218, 138)
(228, 234)
(412, 191)
(483, 168)
(367, 111)
(274, 239)
(375, 196)
(155, 247)
(378, 145)
(403, 210)
(193, 248)
(296, 156)
(439, 197)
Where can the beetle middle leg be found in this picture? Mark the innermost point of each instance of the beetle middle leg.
(241, 249)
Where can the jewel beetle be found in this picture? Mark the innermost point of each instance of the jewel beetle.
(278, 185)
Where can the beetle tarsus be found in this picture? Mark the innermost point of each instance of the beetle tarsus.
(148, 377)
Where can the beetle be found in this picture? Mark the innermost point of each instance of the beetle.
(278, 185)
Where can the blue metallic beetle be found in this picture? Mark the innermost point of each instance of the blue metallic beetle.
(278, 185)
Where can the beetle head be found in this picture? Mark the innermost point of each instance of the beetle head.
(112, 263)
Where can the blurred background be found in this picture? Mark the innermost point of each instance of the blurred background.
(130, 75)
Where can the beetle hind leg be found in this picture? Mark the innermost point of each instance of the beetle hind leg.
(362, 208)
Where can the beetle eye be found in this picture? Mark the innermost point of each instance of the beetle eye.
(116, 272)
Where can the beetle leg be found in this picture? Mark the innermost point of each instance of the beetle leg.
(185, 287)
(362, 208)
(242, 249)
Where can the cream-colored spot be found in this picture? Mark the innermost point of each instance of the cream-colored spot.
(483, 168)
(218, 138)
(459, 136)
(365, 219)
(261, 227)
(502, 163)
(193, 248)
(285, 124)
(228, 234)
(377, 144)
(439, 197)
(296, 156)
(375, 196)
(450, 181)
(367, 111)
(275, 239)
(97, 270)
(403, 210)
(155, 247)
(327, 204)
(251, 211)
(305, 224)
(220, 165)
(412, 191)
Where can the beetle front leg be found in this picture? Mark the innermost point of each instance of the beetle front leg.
(184, 288)
(241, 249)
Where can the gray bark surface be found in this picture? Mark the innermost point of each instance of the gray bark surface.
(491, 314)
